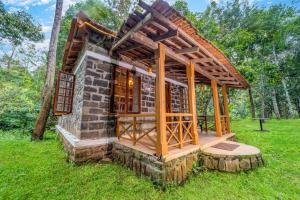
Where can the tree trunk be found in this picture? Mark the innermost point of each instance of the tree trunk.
(298, 106)
(251, 103)
(8, 64)
(275, 104)
(42, 117)
(287, 96)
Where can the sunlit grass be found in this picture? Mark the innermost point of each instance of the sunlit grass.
(39, 170)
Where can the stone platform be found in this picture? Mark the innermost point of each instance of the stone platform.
(232, 157)
(215, 153)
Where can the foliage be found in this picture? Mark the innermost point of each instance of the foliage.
(39, 170)
(19, 97)
(18, 26)
(263, 43)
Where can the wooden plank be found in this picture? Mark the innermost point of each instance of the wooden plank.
(190, 71)
(138, 26)
(141, 39)
(160, 102)
(187, 50)
(226, 110)
(168, 35)
(165, 20)
(202, 60)
(214, 87)
(129, 48)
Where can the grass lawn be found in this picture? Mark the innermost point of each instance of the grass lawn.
(39, 170)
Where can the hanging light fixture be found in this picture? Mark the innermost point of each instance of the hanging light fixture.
(149, 70)
(130, 81)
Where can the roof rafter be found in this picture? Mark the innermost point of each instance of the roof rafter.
(138, 26)
(140, 38)
(165, 20)
(187, 50)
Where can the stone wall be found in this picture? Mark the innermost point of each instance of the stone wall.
(174, 171)
(72, 121)
(232, 163)
(79, 153)
(97, 120)
(90, 117)
(148, 95)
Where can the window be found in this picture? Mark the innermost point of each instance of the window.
(64, 90)
(127, 91)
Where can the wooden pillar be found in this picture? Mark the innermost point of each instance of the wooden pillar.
(160, 101)
(214, 87)
(226, 110)
(190, 71)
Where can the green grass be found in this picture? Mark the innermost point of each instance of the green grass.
(39, 170)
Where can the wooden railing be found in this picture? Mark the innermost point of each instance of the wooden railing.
(134, 127)
(141, 128)
(179, 129)
(224, 124)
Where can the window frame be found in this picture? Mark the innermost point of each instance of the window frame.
(139, 82)
(57, 95)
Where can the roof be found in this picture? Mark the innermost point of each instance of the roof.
(162, 23)
(81, 26)
(138, 38)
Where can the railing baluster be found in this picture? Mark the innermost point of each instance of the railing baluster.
(180, 132)
(134, 130)
(118, 128)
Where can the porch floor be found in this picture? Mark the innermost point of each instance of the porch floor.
(205, 140)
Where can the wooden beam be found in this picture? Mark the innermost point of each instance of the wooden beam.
(168, 35)
(214, 88)
(142, 39)
(187, 50)
(137, 27)
(190, 71)
(201, 60)
(144, 58)
(129, 48)
(230, 82)
(173, 26)
(160, 102)
(226, 110)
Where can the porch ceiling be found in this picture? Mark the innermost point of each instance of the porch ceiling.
(138, 39)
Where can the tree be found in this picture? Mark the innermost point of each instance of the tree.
(42, 117)
(17, 27)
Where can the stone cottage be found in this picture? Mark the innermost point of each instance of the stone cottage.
(130, 96)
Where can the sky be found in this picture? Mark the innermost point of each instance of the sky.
(43, 10)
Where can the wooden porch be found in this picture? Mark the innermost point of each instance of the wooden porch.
(160, 40)
(139, 131)
(147, 144)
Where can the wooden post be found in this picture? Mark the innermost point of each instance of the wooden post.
(180, 132)
(214, 87)
(226, 110)
(160, 101)
(134, 130)
(118, 128)
(190, 72)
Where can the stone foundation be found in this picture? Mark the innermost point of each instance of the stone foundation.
(174, 171)
(85, 150)
(232, 163)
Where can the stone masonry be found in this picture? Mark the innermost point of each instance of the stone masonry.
(232, 163)
(160, 172)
